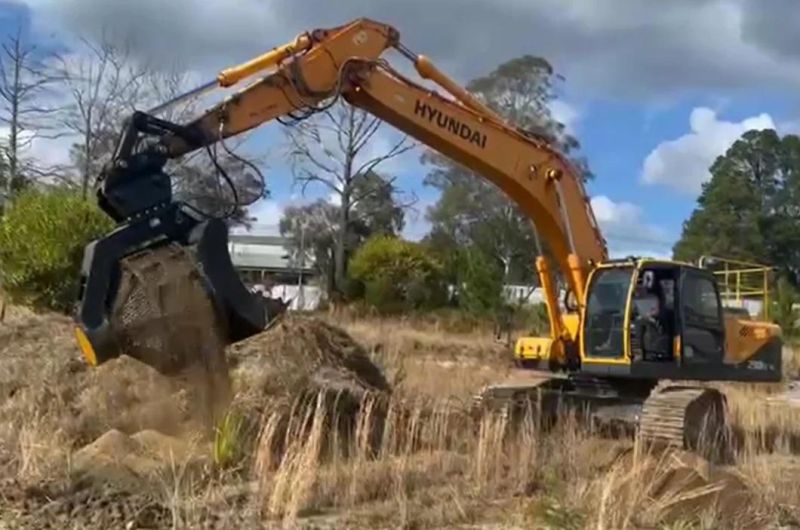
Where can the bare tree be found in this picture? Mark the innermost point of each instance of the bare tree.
(336, 150)
(25, 82)
(218, 181)
(102, 84)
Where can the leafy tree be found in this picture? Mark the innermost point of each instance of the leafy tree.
(310, 230)
(785, 315)
(398, 275)
(749, 208)
(471, 210)
(480, 285)
(521, 90)
(42, 237)
(315, 227)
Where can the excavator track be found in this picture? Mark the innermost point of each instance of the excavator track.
(673, 416)
(511, 396)
(685, 418)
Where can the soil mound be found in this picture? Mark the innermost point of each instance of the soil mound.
(129, 462)
(301, 355)
(301, 368)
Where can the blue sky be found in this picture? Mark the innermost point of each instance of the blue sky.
(654, 90)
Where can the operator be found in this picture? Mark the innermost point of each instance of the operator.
(653, 325)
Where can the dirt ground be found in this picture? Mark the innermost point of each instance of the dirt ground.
(332, 424)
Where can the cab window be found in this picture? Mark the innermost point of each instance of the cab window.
(605, 312)
(700, 301)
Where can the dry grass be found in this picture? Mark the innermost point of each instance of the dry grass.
(454, 475)
(421, 360)
(411, 460)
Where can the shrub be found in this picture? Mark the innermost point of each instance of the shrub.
(42, 237)
(398, 275)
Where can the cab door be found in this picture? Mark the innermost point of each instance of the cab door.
(604, 319)
(701, 319)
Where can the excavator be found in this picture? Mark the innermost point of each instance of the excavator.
(636, 340)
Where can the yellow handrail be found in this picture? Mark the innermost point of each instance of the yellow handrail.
(739, 280)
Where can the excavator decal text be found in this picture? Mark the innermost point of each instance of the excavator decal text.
(450, 123)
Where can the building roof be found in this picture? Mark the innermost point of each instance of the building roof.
(265, 262)
(264, 252)
(252, 239)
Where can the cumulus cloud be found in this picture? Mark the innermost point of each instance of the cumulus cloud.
(627, 232)
(683, 163)
(616, 48)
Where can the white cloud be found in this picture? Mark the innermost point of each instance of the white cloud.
(627, 232)
(565, 113)
(683, 163)
(614, 213)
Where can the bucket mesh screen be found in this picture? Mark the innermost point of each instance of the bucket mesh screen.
(163, 315)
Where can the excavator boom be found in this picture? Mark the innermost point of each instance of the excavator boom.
(304, 76)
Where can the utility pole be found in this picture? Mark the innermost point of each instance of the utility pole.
(300, 293)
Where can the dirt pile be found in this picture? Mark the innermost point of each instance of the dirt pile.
(107, 433)
(302, 355)
(301, 367)
(148, 456)
(53, 403)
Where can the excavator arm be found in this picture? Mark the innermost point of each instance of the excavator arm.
(304, 76)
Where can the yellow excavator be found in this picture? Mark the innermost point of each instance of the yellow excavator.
(634, 339)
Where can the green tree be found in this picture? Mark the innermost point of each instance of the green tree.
(473, 211)
(310, 231)
(480, 283)
(315, 227)
(42, 237)
(398, 275)
(749, 209)
(785, 315)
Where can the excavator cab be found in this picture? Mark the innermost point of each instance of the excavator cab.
(651, 319)
(164, 273)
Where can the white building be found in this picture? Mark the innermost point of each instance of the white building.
(264, 264)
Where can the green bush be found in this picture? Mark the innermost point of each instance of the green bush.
(42, 237)
(532, 319)
(398, 275)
